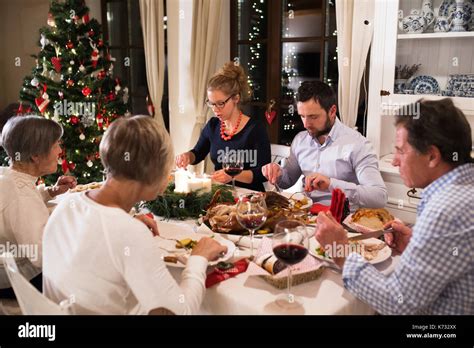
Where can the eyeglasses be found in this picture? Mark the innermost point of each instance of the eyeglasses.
(219, 104)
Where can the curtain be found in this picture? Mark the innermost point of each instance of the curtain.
(354, 20)
(205, 36)
(151, 14)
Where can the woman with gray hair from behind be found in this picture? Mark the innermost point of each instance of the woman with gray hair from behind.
(107, 261)
(32, 145)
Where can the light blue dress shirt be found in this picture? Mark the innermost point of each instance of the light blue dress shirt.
(346, 157)
(435, 274)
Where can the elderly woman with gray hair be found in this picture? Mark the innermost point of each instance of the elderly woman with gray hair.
(32, 144)
(107, 262)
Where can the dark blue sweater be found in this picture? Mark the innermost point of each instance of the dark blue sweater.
(251, 143)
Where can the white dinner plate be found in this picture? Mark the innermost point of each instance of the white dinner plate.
(168, 247)
(382, 255)
(298, 197)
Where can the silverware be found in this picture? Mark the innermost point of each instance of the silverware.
(277, 188)
(374, 234)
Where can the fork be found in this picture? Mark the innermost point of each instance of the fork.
(277, 188)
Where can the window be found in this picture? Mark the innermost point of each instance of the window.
(281, 43)
(123, 32)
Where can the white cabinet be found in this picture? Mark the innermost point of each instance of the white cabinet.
(443, 56)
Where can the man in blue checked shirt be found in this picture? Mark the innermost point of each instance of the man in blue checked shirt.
(435, 274)
(329, 154)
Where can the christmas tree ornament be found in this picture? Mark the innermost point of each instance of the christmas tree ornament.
(71, 62)
(42, 102)
(86, 91)
(70, 44)
(85, 18)
(91, 33)
(43, 41)
(82, 68)
(70, 83)
(74, 120)
(87, 119)
(56, 61)
(95, 57)
(61, 95)
(100, 43)
(34, 82)
(20, 109)
(89, 163)
(117, 88)
(60, 161)
(51, 22)
(82, 136)
(269, 113)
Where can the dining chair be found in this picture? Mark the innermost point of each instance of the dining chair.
(30, 300)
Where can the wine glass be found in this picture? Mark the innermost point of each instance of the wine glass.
(232, 167)
(290, 246)
(252, 213)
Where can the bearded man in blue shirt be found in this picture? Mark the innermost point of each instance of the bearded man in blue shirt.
(329, 154)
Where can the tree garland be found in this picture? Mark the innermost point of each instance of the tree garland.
(173, 205)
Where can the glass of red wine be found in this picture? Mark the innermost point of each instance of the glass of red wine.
(233, 167)
(290, 245)
(252, 213)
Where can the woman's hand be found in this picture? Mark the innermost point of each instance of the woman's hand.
(209, 248)
(183, 160)
(221, 176)
(149, 221)
(63, 184)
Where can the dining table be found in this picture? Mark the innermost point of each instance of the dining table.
(248, 294)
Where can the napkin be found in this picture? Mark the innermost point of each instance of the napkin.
(219, 275)
(339, 207)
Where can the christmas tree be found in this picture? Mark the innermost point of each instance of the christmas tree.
(72, 83)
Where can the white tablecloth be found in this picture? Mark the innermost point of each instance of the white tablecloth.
(246, 294)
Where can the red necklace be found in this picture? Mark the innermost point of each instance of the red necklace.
(228, 137)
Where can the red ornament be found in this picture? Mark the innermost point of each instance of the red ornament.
(86, 91)
(85, 18)
(64, 166)
(42, 102)
(101, 75)
(111, 96)
(95, 57)
(74, 120)
(91, 33)
(101, 43)
(57, 64)
(100, 120)
(28, 111)
(70, 83)
(270, 116)
(69, 44)
(97, 155)
(20, 109)
(72, 165)
(228, 137)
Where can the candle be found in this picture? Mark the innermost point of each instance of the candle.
(181, 178)
(195, 184)
(206, 184)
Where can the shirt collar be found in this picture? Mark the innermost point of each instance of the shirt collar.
(23, 176)
(446, 179)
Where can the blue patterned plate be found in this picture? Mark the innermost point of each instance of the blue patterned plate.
(424, 84)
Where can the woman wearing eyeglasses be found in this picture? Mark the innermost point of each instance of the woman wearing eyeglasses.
(231, 134)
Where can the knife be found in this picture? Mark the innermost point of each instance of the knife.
(374, 234)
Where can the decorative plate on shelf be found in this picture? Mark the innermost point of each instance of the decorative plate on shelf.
(424, 84)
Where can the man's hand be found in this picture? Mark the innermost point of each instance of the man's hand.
(399, 240)
(221, 176)
(150, 222)
(316, 181)
(272, 172)
(331, 234)
(63, 184)
(209, 248)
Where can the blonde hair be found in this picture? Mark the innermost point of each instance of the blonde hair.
(137, 148)
(232, 80)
